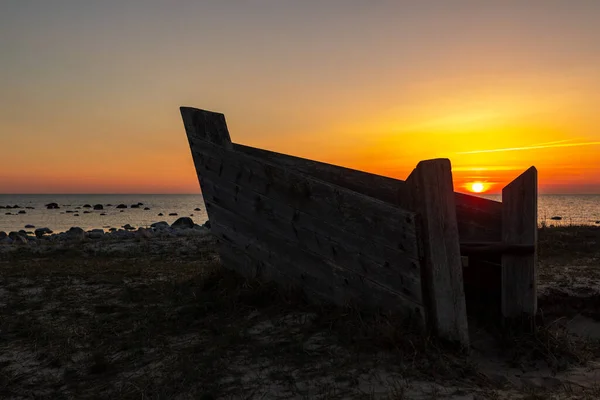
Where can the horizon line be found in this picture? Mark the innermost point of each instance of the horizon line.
(191, 194)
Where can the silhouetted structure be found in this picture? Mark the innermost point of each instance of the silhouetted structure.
(347, 236)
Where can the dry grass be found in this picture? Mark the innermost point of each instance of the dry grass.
(87, 325)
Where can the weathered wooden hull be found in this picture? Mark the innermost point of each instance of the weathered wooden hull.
(341, 235)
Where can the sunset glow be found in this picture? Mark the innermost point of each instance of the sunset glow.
(476, 187)
(90, 91)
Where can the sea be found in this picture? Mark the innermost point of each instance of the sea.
(572, 210)
(71, 212)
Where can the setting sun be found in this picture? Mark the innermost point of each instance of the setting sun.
(476, 187)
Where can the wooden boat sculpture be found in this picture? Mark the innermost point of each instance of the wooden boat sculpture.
(347, 236)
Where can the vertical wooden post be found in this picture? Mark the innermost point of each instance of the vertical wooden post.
(519, 226)
(433, 198)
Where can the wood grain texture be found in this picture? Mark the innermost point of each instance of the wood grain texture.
(353, 212)
(306, 269)
(206, 125)
(388, 267)
(393, 191)
(434, 200)
(279, 223)
(478, 219)
(519, 216)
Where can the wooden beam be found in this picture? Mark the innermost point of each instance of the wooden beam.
(478, 218)
(374, 219)
(519, 222)
(390, 190)
(490, 248)
(432, 194)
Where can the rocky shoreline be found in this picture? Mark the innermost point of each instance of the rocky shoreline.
(182, 227)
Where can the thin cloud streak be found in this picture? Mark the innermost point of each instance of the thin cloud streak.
(540, 146)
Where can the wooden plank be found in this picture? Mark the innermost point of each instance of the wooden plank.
(385, 266)
(328, 280)
(381, 221)
(390, 190)
(478, 219)
(237, 259)
(490, 248)
(519, 218)
(433, 198)
(206, 125)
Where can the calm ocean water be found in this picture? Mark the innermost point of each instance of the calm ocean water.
(574, 209)
(59, 220)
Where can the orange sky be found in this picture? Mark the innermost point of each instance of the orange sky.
(89, 93)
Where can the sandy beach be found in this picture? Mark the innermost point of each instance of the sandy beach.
(159, 317)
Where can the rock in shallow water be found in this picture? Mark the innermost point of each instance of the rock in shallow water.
(76, 233)
(96, 234)
(3, 235)
(145, 233)
(52, 206)
(182, 223)
(20, 240)
(160, 225)
(98, 207)
(29, 226)
(39, 232)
